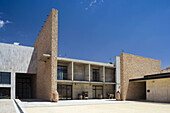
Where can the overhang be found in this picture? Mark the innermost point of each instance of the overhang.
(151, 77)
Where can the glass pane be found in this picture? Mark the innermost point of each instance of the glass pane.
(65, 91)
(61, 72)
(5, 78)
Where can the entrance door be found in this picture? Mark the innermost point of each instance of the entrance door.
(65, 92)
(23, 87)
(97, 90)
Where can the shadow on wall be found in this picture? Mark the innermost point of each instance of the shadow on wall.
(32, 68)
(136, 91)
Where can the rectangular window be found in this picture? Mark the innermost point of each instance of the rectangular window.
(96, 76)
(64, 91)
(4, 93)
(5, 78)
(61, 72)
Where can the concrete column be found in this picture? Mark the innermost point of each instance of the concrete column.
(72, 71)
(87, 68)
(13, 80)
(89, 72)
(103, 74)
(117, 77)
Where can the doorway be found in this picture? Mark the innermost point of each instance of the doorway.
(97, 90)
(65, 92)
(24, 86)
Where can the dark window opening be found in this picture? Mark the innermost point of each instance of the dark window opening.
(23, 87)
(4, 93)
(62, 72)
(96, 76)
(65, 92)
(97, 90)
(5, 78)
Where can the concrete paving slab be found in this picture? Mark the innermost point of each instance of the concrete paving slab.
(7, 106)
(127, 107)
(68, 102)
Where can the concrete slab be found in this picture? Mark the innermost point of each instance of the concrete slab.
(7, 106)
(38, 103)
(117, 107)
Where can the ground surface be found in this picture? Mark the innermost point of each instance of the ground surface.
(101, 106)
(7, 106)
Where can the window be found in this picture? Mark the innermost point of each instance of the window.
(96, 76)
(64, 91)
(5, 78)
(61, 72)
(4, 93)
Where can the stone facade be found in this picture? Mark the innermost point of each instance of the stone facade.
(46, 43)
(16, 59)
(132, 66)
(159, 90)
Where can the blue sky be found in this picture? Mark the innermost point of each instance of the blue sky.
(94, 30)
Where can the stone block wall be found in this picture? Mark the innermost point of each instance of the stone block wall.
(159, 90)
(108, 89)
(79, 88)
(136, 90)
(46, 43)
(132, 66)
(110, 74)
(79, 72)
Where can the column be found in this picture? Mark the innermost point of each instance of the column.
(13, 76)
(117, 74)
(72, 71)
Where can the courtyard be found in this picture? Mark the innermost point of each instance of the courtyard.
(95, 106)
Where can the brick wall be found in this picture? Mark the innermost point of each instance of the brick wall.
(46, 43)
(132, 66)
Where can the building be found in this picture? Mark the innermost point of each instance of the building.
(19, 74)
(37, 72)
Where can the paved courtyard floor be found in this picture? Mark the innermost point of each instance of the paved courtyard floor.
(7, 106)
(97, 106)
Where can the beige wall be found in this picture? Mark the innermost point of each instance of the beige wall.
(46, 43)
(132, 66)
(110, 74)
(79, 71)
(108, 89)
(79, 88)
(159, 90)
(137, 90)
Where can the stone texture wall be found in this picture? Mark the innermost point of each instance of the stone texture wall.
(132, 66)
(110, 74)
(17, 58)
(136, 90)
(108, 89)
(79, 71)
(46, 43)
(79, 88)
(159, 90)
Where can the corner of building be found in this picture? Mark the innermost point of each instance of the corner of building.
(46, 45)
(132, 66)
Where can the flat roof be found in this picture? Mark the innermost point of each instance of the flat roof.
(85, 62)
(153, 76)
